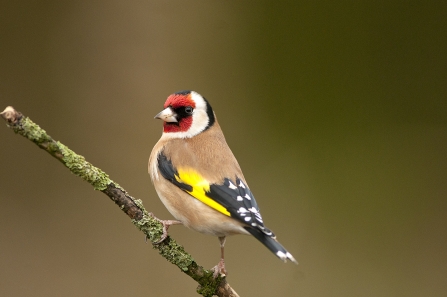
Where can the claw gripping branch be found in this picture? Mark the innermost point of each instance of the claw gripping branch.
(169, 248)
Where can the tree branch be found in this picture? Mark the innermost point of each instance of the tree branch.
(144, 221)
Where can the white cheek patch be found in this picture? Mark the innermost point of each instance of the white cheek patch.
(200, 119)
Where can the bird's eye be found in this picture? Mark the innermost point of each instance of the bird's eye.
(189, 109)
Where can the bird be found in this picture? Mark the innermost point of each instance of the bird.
(199, 180)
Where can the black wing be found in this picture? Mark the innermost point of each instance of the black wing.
(234, 196)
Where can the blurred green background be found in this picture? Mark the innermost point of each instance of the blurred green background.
(336, 111)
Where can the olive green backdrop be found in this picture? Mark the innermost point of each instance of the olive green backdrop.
(336, 111)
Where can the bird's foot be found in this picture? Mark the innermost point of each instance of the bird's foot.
(219, 269)
(166, 224)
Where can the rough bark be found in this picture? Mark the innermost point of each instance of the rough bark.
(143, 220)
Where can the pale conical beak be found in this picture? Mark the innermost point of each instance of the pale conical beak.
(167, 115)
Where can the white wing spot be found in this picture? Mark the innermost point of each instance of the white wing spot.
(281, 255)
(253, 210)
(231, 186)
(239, 198)
(247, 219)
(248, 197)
(242, 210)
(241, 185)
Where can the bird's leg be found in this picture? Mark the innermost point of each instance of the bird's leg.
(220, 267)
(166, 224)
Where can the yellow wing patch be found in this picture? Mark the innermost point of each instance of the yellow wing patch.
(199, 186)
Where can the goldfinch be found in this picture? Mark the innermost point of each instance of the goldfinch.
(198, 179)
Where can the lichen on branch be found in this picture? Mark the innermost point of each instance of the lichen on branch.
(145, 222)
(85, 170)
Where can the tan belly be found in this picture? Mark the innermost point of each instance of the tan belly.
(196, 215)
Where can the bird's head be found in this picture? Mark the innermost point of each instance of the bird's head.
(186, 114)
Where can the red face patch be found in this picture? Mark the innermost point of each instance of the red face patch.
(179, 100)
(181, 126)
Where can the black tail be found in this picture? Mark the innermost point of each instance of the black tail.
(271, 244)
